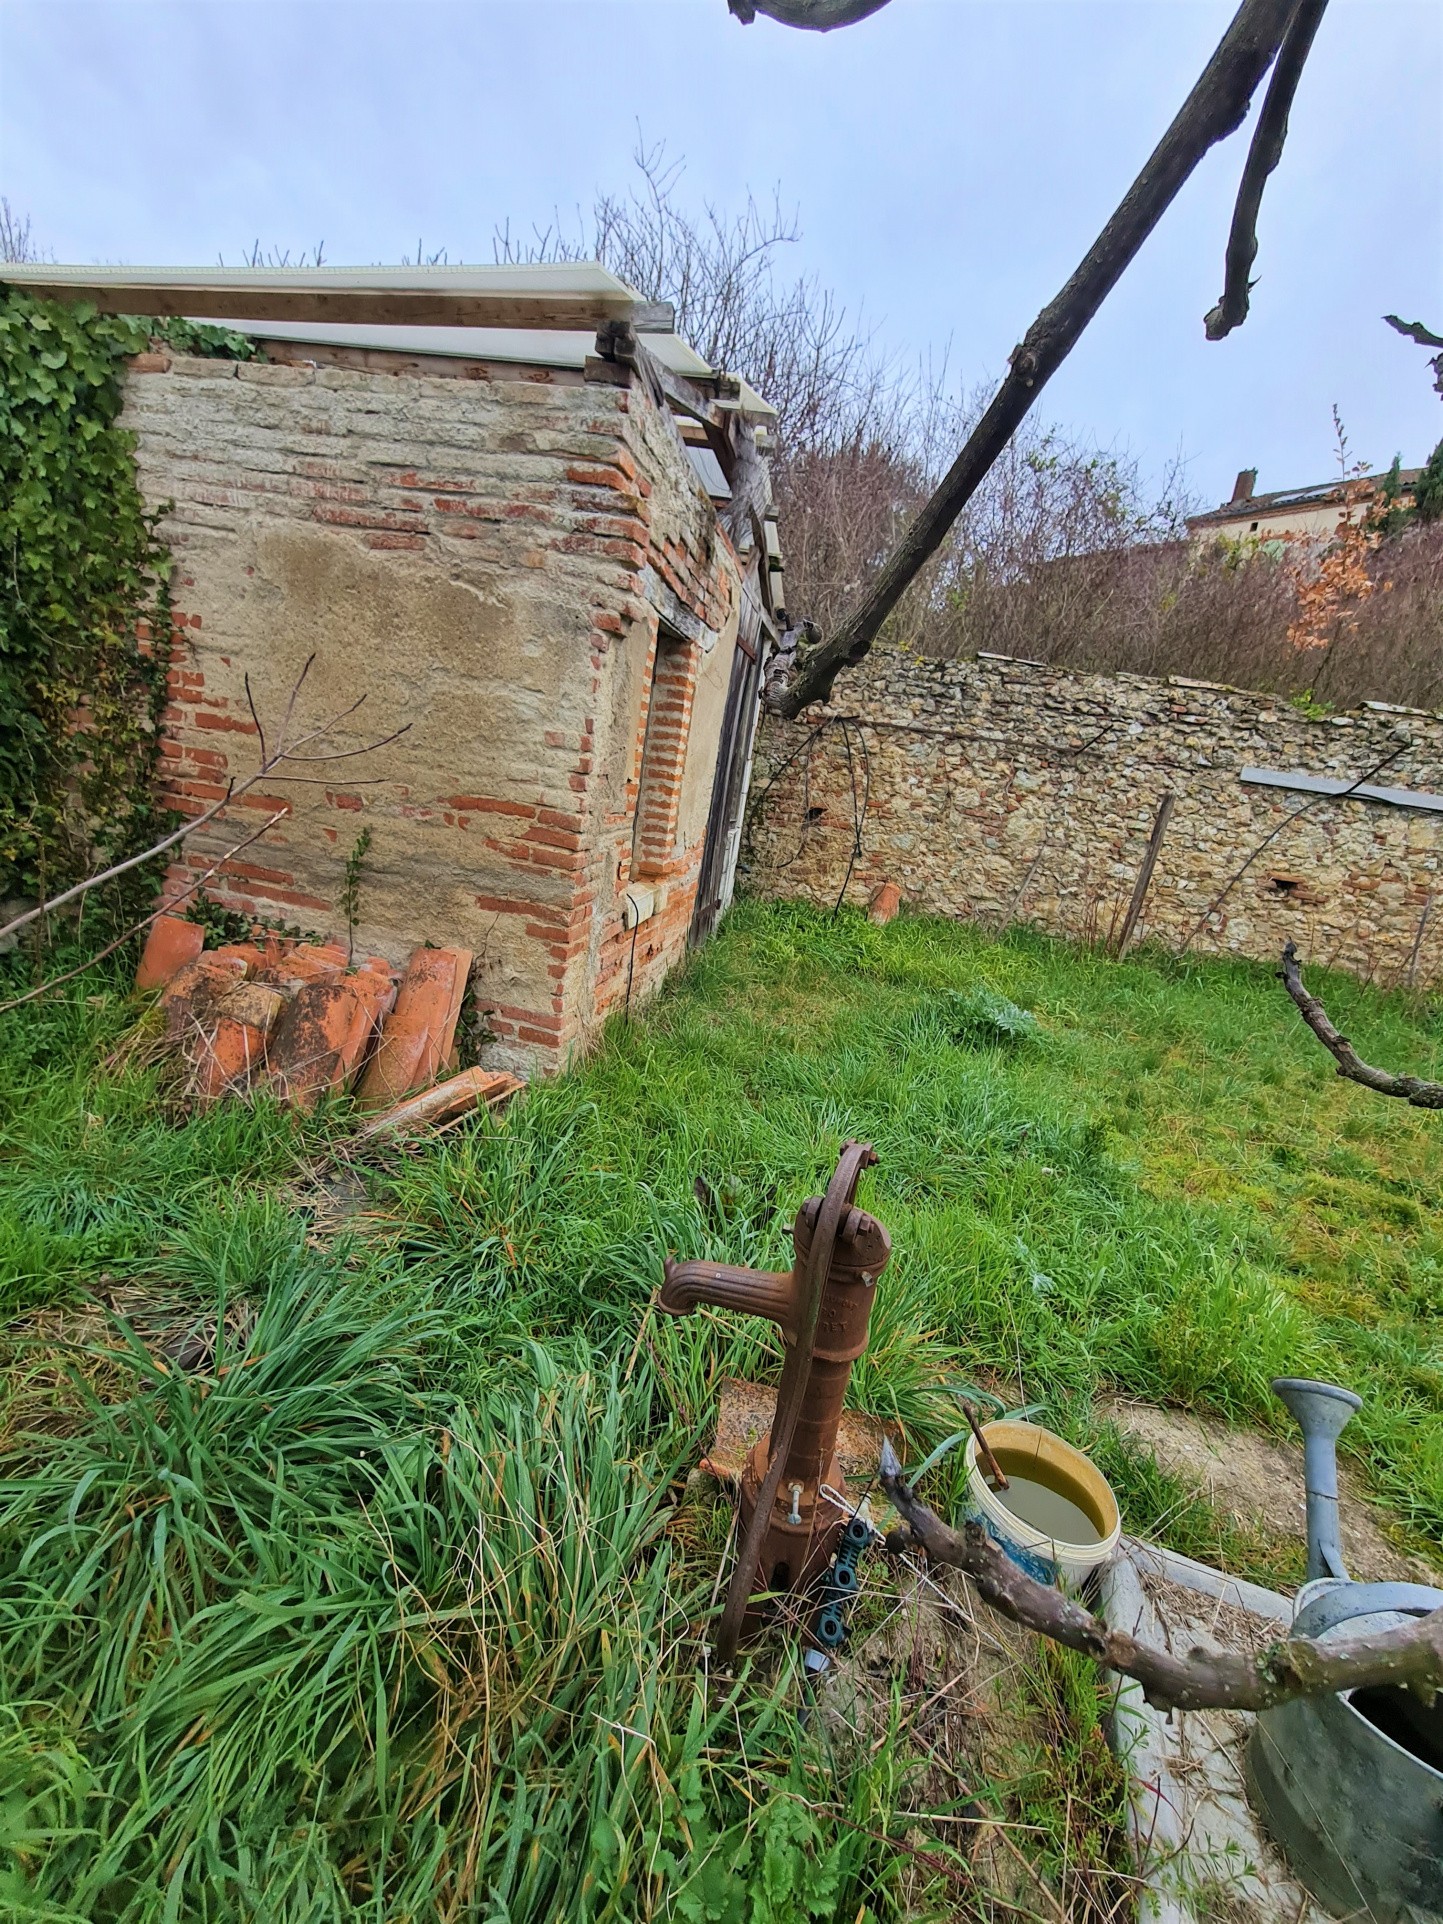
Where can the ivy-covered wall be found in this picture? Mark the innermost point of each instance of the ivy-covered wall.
(84, 578)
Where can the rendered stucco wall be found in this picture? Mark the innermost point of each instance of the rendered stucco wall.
(1005, 791)
(482, 559)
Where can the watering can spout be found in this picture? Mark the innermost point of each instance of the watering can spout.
(1322, 1411)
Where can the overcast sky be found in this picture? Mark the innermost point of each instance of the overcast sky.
(949, 161)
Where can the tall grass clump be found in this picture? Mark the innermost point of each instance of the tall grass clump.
(304, 1635)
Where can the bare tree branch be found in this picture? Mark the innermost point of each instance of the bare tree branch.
(1425, 337)
(168, 907)
(1414, 1089)
(1263, 156)
(284, 752)
(1214, 109)
(818, 15)
(1409, 1658)
(1415, 331)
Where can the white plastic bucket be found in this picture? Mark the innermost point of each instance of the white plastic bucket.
(1032, 1451)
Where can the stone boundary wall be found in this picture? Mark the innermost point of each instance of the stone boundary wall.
(487, 559)
(1002, 791)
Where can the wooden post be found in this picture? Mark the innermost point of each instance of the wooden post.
(1144, 874)
(1412, 975)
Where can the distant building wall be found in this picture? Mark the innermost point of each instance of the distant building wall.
(1003, 791)
(1277, 524)
(490, 562)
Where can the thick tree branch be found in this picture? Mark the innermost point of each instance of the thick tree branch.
(1263, 156)
(1415, 331)
(1414, 1089)
(1213, 110)
(818, 15)
(1410, 1658)
(1425, 337)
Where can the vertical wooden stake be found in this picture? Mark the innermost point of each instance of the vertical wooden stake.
(1418, 941)
(1144, 874)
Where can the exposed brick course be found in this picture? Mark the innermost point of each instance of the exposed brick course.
(481, 557)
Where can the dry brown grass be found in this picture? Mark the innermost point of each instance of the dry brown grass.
(52, 1358)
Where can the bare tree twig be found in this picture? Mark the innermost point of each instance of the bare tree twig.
(345, 754)
(167, 907)
(1263, 156)
(296, 687)
(285, 752)
(1409, 1658)
(255, 718)
(1213, 110)
(1414, 1089)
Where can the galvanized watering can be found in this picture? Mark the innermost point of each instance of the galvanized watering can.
(1351, 1786)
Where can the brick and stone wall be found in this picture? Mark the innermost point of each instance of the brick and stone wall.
(1005, 791)
(487, 561)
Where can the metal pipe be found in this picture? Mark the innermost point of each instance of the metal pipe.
(754, 1292)
(1322, 1411)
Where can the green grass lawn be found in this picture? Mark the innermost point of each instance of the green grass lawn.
(388, 1608)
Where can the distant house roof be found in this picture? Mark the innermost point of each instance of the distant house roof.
(543, 315)
(1260, 507)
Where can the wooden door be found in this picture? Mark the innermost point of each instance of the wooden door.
(727, 814)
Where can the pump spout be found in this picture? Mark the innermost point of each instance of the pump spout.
(754, 1292)
(1322, 1411)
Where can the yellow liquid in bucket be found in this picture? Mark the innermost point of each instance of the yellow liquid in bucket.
(1047, 1510)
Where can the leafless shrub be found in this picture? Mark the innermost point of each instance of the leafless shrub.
(791, 339)
(16, 241)
(846, 464)
(1064, 554)
(259, 255)
(1215, 613)
(841, 508)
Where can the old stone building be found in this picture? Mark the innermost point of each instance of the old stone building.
(527, 524)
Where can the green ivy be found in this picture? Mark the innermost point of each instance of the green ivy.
(204, 340)
(82, 567)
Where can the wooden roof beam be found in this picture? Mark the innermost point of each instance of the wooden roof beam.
(381, 298)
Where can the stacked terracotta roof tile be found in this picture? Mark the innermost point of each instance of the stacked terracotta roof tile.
(295, 1019)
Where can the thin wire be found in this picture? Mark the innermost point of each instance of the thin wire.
(631, 966)
(856, 822)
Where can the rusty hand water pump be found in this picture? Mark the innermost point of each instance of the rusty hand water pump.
(792, 1505)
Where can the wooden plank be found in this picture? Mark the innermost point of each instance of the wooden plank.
(1355, 791)
(435, 367)
(367, 306)
(1144, 874)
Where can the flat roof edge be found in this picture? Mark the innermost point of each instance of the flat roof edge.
(567, 296)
